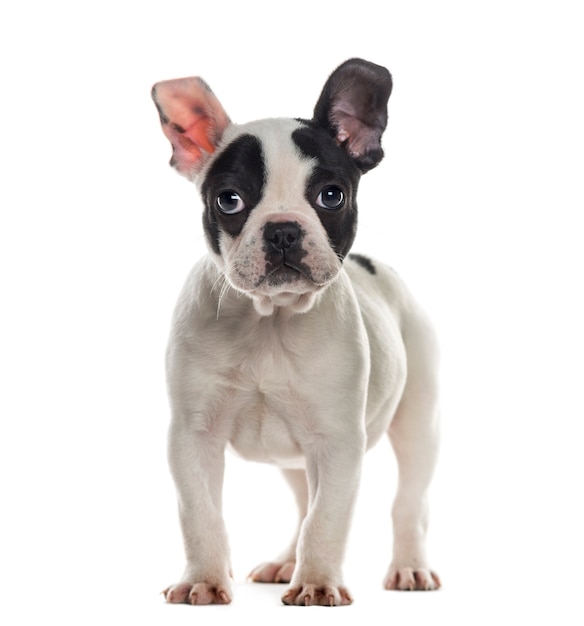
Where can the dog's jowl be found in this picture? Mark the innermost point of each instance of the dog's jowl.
(288, 349)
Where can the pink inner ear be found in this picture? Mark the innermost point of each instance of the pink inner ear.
(192, 119)
(358, 137)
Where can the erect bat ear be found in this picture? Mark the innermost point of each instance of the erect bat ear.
(353, 108)
(192, 119)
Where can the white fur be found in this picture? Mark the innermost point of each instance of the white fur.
(307, 376)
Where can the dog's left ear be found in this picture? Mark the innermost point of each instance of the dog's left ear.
(192, 119)
(353, 108)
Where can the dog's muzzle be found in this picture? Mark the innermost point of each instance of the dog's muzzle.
(284, 253)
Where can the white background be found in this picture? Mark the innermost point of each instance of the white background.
(477, 204)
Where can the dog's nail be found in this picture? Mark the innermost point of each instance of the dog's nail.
(193, 598)
(331, 600)
(286, 598)
(307, 601)
(223, 597)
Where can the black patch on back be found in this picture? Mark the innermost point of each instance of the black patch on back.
(240, 168)
(364, 262)
(333, 167)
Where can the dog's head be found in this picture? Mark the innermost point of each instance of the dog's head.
(280, 194)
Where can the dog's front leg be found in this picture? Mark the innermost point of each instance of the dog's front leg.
(333, 469)
(197, 461)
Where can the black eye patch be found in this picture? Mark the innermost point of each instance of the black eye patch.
(239, 169)
(333, 168)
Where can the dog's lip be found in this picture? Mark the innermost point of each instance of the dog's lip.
(287, 267)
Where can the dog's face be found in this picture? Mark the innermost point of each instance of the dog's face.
(280, 211)
(280, 194)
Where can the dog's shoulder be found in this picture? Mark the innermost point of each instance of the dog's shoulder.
(198, 298)
(382, 293)
(378, 284)
(364, 261)
(366, 270)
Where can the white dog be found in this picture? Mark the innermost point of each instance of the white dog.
(287, 348)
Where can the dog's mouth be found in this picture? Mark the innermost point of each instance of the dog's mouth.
(290, 278)
(286, 284)
(284, 273)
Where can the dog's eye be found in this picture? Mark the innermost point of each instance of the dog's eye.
(331, 197)
(230, 203)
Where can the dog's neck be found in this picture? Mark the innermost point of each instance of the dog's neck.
(292, 302)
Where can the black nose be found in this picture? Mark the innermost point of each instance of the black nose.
(281, 236)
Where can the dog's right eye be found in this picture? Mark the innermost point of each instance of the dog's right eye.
(229, 202)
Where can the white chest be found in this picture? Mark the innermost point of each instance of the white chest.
(264, 400)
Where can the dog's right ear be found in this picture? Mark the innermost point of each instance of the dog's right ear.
(192, 119)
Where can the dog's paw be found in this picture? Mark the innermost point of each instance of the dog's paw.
(273, 572)
(317, 595)
(197, 593)
(409, 579)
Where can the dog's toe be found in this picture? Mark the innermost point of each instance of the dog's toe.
(317, 595)
(410, 579)
(197, 593)
(177, 594)
(273, 572)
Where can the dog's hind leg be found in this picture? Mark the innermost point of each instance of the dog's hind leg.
(414, 434)
(280, 570)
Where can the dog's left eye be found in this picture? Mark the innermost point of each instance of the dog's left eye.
(230, 203)
(331, 197)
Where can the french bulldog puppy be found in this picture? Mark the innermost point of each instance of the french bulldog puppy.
(288, 349)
